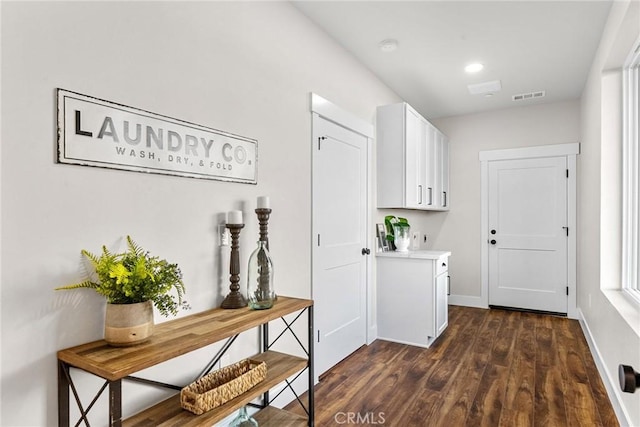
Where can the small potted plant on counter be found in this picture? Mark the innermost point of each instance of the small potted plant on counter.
(133, 282)
(398, 232)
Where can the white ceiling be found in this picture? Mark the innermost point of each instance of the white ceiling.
(529, 46)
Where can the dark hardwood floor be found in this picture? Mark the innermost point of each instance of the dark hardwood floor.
(489, 368)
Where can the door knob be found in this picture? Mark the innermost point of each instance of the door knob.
(366, 251)
(493, 242)
(629, 378)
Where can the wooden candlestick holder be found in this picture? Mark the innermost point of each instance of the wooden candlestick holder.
(263, 219)
(234, 299)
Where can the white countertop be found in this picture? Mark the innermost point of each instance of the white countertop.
(414, 254)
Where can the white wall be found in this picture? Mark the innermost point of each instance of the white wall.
(246, 68)
(459, 229)
(613, 336)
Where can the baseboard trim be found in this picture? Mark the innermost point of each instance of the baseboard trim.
(372, 334)
(610, 384)
(467, 301)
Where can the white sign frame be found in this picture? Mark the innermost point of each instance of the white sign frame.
(100, 133)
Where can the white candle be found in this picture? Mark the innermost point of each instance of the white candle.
(234, 217)
(263, 202)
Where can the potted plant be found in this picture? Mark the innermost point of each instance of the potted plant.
(133, 282)
(398, 231)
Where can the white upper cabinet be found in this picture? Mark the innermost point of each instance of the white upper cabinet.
(412, 160)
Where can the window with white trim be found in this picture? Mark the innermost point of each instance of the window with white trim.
(630, 179)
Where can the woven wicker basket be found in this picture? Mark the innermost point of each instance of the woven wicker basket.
(219, 387)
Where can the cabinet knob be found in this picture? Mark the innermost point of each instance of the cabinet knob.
(493, 231)
(493, 242)
(366, 251)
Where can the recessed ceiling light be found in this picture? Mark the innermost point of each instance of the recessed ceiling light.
(474, 68)
(388, 45)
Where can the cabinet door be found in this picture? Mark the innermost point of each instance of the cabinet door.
(414, 160)
(441, 170)
(391, 133)
(441, 302)
(430, 166)
(444, 172)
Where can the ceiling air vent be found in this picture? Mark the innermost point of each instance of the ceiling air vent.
(485, 88)
(530, 95)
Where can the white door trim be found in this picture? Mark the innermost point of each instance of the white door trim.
(570, 151)
(531, 152)
(332, 112)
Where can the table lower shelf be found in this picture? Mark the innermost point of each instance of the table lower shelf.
(271, 416)
(169, 412)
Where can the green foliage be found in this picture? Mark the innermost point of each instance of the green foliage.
(135, 276)
(390, 221)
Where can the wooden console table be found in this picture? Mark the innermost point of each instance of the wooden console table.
(180, 336)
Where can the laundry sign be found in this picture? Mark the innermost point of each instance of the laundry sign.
(95, 132)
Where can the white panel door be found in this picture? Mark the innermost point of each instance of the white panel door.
(528, 234)
(339, 227)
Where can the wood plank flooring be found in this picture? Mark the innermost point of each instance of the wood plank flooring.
(490, 368)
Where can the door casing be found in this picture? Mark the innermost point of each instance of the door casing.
(570, 151)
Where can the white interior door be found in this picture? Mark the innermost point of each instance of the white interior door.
(339, 227)
(527, 234)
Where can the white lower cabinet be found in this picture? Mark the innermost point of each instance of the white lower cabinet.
(412, 291)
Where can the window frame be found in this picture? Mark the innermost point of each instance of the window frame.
(630, 177)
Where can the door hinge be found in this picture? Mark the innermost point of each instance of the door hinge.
(567, 173)
(322, 138)
(567, 290)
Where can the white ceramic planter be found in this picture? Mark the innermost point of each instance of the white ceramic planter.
(401, 238)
